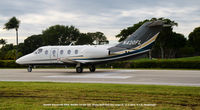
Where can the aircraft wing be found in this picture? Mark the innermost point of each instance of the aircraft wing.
(68, 60)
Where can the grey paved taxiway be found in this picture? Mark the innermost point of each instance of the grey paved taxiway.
(152, 77)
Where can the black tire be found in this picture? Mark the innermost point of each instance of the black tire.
(92, 68)
(29, 69)
(79, 69)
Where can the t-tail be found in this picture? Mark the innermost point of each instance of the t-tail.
(142, 38)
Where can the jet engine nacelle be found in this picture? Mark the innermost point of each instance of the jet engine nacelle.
(95, 52)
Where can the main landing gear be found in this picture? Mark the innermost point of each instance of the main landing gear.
(92, 68)
(29, 69)
(79, 68)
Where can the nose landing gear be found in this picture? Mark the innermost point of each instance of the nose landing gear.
(29, 69)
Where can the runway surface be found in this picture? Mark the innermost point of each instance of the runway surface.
(151, 77)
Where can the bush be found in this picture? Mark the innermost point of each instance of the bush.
(9, 64)
(186, 51)
(158, 64)
(129, 64)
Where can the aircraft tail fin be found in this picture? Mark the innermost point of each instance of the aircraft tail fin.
(144, 35)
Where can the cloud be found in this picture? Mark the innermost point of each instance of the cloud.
(107, 16)
(50, 16)
(157, 12)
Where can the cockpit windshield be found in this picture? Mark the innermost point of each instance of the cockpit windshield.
(38, 51)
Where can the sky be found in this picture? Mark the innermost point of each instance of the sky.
(107, 16)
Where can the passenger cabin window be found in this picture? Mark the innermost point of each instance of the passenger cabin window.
(61, 52)
(69, 52)
(76, 51)
(46, 52)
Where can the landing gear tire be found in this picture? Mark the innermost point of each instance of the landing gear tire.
(92, 68)
(79, 69)
(29, 69)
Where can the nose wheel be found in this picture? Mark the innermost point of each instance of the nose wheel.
(29, 69)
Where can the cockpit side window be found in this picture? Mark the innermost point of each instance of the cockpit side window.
(38, 51)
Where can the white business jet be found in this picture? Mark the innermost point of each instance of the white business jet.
(137, 44)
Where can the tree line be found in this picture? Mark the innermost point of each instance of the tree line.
(54, 35)
(169, 44)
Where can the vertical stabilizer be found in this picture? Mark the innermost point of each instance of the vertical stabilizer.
(147, 32)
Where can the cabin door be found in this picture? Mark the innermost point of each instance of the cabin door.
(54, 55)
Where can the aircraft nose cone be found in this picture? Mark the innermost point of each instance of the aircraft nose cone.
(18, 61)
(24, 59)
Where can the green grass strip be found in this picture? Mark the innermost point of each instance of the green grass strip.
(32, 96)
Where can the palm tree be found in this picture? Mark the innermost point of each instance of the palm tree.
(2, 42)
(13, 23)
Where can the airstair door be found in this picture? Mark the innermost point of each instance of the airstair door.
(54, 55)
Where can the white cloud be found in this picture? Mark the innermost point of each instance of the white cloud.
(91, 16)
(185, 17)
(157, 12)
(49, 16)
